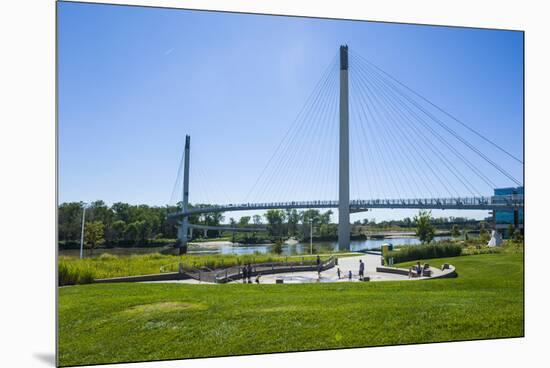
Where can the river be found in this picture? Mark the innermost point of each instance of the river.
(320, 247)
(227, 248)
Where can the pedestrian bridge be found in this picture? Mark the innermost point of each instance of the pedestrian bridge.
(463, 203)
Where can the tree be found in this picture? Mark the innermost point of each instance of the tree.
(257, 219)
(233, 224)
(277, 247)
(243, 221)
(517, 237)
(117, 230)
(324, 218)
(132, 232)
(93, 233)
(309, 217)
(275, 219)
(511, 230)
(483, 232)
(70, 220)
(424, 229)
(292, 217)
(455, 232)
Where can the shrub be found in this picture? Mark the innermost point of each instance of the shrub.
(471, 250)
(427, 251)
(107, 257)
(72, 274)
(277, 247)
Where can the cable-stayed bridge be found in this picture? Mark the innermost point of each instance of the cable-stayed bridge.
(405, 155)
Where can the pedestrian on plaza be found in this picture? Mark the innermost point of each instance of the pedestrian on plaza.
(361, 269)
(245, 272)
(249, 273)
(418, 269)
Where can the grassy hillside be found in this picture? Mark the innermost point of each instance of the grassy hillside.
(103, 323)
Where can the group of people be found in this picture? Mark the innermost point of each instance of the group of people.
(247, 274)
(350, 274)
(416, 271)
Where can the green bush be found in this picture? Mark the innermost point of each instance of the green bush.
(471, 250)
(427, 251)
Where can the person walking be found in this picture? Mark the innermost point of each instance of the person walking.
(245, 272)
(418, 269)
(338, 272)
(249, 273)
(349, 275)
(361, 270)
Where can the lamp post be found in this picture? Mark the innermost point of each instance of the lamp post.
(311, 236)
(82, 230)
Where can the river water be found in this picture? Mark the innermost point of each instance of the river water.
(320, 247)
(227, 248)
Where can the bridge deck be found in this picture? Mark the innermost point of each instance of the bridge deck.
(467, 203)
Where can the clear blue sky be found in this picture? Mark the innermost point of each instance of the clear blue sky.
(134, 81)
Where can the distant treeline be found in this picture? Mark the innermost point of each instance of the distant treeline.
(443, 223)
(123, 224)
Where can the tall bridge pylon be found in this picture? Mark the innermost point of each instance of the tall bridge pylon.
(343, 168)
(184, 226)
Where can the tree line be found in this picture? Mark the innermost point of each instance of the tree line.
(123, 224)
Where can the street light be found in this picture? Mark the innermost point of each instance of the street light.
(311, 236)
(82, 230)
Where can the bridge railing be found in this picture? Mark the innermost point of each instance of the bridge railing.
(511, 201)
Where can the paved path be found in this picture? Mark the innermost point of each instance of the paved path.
(345, 264)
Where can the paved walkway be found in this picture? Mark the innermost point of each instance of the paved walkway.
(345, 264)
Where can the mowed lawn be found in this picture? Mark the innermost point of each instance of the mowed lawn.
(102, 323)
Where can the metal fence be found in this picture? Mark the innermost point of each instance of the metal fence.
(234, 273)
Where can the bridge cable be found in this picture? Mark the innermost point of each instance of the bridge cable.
(319, 167)
(318, 119)
(373, 129)
(283, 140)
(440, 109)
(375, 188)
(288, 143)
(436, 152)
(376, 123)
(437, 135)
(387, 95)
(177, 181)
(456, 135)
(287, 159)
(432, 170)
(398, 148)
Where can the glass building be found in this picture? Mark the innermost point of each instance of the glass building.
(504, 218)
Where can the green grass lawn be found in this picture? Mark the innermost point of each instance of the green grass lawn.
(103, 323)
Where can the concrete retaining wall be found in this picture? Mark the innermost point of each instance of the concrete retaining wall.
(154, 277)
(450, 272)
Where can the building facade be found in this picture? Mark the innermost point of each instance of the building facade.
(504, 218)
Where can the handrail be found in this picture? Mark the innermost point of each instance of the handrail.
(515, 201)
